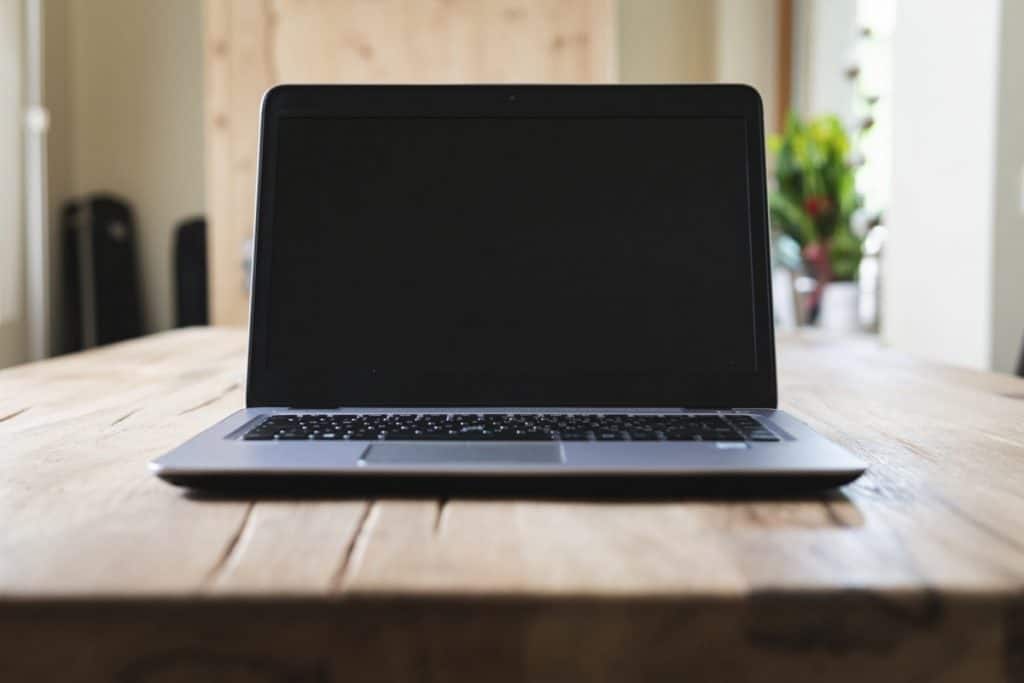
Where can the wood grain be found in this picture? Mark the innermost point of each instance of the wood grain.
(251, 46)
(913, 573)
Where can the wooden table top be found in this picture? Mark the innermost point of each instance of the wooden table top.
(914, 572)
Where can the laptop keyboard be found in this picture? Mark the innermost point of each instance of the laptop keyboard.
(510, 427)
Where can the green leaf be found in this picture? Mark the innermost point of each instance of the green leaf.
(845, 251)
(791, 218)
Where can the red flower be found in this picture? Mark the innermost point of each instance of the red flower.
(817, 205)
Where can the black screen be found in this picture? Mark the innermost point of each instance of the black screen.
(513, 246)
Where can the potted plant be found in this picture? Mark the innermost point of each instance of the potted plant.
(812, 205)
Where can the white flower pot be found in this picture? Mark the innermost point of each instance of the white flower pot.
(839, 311)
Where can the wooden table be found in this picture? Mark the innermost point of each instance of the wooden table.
(914, 573)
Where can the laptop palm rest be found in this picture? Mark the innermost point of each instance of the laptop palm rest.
(463, 453)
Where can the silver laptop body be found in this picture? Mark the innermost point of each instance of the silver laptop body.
(564, 288)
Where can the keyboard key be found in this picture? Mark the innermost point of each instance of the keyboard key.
(574, 436)
(521, 435)
(644, 436)
(763, 437)
(609, 436)
(676, 435)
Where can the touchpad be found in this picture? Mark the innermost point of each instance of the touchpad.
(461, 453)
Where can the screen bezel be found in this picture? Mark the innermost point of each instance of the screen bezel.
(268, 386)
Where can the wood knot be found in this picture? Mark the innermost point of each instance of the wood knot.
(364, 50)
(560, 42)
(514, 13)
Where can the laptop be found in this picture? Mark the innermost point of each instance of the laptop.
(484, 285)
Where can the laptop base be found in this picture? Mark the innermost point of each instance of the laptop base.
(508, 486)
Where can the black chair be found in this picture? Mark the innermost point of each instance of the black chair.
(190, 273)
(102, 301)
(1020, 362)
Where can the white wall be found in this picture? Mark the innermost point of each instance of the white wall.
(1008, 247)
(124, 78)
(824, 40)
(953, 287)
(13, 341)
(55, 99)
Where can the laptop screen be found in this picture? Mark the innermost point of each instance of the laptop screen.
(526, 248)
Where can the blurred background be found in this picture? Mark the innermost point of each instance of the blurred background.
(896, 154)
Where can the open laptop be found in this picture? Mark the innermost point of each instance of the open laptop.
(481, 284)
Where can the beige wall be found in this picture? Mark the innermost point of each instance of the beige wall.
(746, 49)
(701, 41)
(666, 41)
(124, 81)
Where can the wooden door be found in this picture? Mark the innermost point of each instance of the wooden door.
(250, 46)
